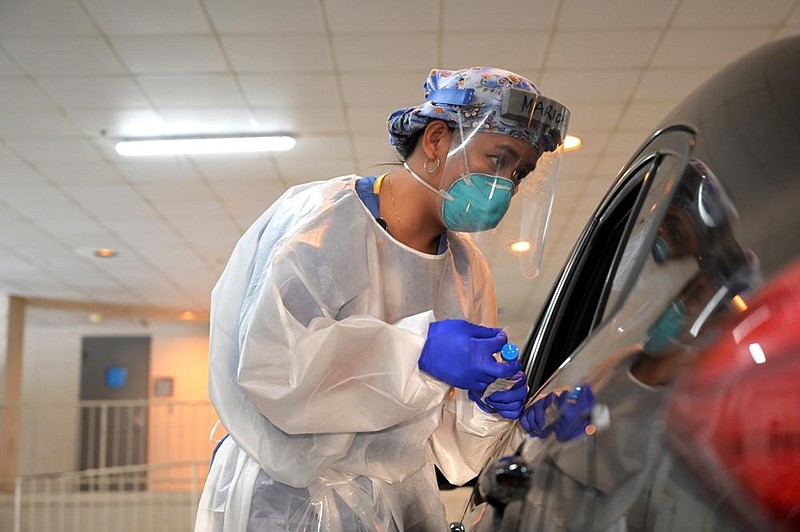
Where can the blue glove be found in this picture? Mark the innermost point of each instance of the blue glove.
(460, 353)
(567, 415)
(507, 403)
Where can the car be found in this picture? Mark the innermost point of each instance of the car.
(702, 217)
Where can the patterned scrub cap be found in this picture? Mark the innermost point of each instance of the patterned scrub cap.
(475, 96)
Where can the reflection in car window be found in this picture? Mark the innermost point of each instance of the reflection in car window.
(580, 296)
(620, 476)
(641, 238)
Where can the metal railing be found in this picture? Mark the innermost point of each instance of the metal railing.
(54, 438)
(155, 498)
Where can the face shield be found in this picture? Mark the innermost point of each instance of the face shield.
(499, 176)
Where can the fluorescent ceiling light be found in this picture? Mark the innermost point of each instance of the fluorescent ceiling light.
(204, 145)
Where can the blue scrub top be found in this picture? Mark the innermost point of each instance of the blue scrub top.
(365, 188)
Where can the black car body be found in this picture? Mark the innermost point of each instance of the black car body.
(705, 213)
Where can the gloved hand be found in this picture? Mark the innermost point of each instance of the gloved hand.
(460, 353)
(566, 415)
(507, 403)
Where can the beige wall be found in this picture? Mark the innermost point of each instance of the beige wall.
(51, 377)
(180, 432)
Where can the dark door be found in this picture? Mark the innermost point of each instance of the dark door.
(114, 369)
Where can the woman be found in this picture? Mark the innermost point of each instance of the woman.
(349, 348)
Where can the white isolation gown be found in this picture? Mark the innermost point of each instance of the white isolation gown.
(317, 324)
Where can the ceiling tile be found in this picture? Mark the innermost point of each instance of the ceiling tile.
(178, 210)
(625, 143)
(594, 141)
(159, 169)
(79, 172)
(208, 121)
(14, 266)
(670, 85)
(116, 209)
(520, 49)
(78, 231)
(724, 13)
(17, 93)
(258, 191)
(461, 15)
(586, 116)
(591, 86)
(334, 147)
(607, 168)
(7, 67)
(238, 167)
(39, 201)
(599, 185)
(55, 150)
(278, 53)
(37, 124)
(120, 123)
(290, 89)
(63, 57)
(599, 49)
(148, 17)
(154, 231)
(257, 16)
(644, 115)
(579, 164)
(93, 93)
(372, 150)
(15, 171)
(368, 121)
(29, 18)
(295, 172)
(171, 54)
(301, 120)
(644, 14)
(788, 31)
(679, 46)
(218, 90)
(379, 89)
(245, 215)
(794, 18)
(28, 240)
(355, 16)
(219, 238)
(187, 192)
(397, 52)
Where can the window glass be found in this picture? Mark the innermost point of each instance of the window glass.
(572, 317)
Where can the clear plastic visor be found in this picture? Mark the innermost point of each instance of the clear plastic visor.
(499, 189)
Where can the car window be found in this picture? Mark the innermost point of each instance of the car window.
(608, 256)
(580, 292)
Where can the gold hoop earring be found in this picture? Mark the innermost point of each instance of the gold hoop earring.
(431, 170)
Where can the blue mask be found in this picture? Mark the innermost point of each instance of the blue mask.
(477, 202)
(660, 251)
(666, 328)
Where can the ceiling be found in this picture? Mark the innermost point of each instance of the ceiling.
(77, 75)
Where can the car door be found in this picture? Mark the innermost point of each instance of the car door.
(577, 330)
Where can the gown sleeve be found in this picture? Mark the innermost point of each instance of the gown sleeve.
(467, 436)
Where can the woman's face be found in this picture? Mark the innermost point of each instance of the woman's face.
(492, 154)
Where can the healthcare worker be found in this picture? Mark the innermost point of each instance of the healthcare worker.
(352, 334)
